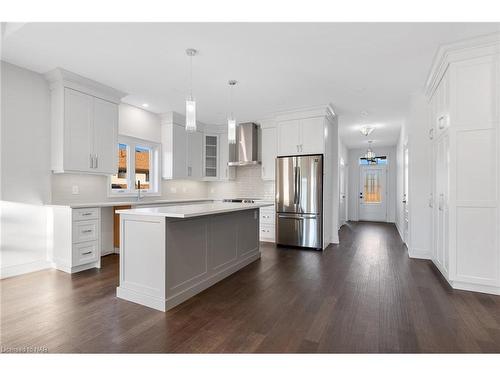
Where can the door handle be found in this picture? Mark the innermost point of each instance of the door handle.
(91, 161)
(87, 253)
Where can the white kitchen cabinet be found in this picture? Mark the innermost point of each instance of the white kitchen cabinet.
(226, 172)
(195, 155)
(267, 224)
(105, 127)
(289, 137)
(269, 153)
(77, 238)
(312, 135)
(211, 152)
(84, 124)
(464, 92)
(182, 152)
(301, 136)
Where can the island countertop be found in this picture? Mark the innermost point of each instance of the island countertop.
(194, 210)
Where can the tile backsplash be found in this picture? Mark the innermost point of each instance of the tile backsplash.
(248, 184)
(92, 188)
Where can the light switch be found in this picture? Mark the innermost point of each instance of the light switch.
(75, 189)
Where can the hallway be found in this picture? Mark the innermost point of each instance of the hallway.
(363, 296)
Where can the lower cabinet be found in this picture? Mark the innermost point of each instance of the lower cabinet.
(267, 224)
(77, 238)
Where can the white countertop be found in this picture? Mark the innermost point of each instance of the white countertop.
(134, 202)
(193, 210)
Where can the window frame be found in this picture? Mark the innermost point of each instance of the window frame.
(154, 165)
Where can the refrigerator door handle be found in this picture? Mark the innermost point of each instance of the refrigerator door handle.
(295, 186)
(299, 190)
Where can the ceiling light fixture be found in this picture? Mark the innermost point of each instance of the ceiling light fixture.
(145, 105)
(370, 154)
(366, 130)
(190, 102)
(231, 121)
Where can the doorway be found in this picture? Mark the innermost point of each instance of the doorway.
(373, 193)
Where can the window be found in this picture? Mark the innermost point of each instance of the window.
(379, 160)
(138, 165)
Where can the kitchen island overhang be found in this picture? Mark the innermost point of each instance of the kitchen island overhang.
(169, 254)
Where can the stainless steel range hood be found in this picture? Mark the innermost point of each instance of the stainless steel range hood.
(247, 145)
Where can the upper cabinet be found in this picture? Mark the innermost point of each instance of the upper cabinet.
(269, 152)
(84, 124)
(301, 136)
(182, 152)
(226, 150)
(211, 157)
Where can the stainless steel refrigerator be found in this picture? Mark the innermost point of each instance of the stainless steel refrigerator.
(299, 201)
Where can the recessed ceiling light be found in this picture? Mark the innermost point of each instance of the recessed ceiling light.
(145, 105)
(366, 130)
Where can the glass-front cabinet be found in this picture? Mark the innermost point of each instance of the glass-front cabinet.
(211, 157)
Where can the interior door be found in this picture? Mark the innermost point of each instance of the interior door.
(105, 136)
(406, 216)
(372, 193)
(342, 194)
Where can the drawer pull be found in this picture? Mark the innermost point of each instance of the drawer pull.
(87, 253)
(87, 231)
(87, 214)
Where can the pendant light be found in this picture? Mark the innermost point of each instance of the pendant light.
(190, 102)
(231, 121)
(370, 155)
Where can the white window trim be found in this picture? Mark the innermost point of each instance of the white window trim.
(155, 178)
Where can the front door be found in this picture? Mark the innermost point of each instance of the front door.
(372, 193)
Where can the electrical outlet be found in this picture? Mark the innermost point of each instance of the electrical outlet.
(184, 189)
(75, 190)
(212, 190)
(173, 189)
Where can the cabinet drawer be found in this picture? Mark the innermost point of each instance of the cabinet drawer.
(85, 231)
(85, 252)
(85, 213)
(267, 217)
(266, 232)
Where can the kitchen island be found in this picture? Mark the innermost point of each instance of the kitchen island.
(169, 254)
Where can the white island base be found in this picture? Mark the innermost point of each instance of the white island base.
(166, 260)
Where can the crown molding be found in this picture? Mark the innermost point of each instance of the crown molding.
(488, 44)
(60, 77)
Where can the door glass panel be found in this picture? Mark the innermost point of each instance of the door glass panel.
(119, 180)
(142, 167)
(371, 192)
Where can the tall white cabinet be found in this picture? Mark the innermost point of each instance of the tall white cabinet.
(84, 124)
(464, 100)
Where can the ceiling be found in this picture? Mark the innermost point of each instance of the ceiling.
(366, 70)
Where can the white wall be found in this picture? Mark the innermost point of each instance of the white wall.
(415, 132)
(25, 170)
(354, 171)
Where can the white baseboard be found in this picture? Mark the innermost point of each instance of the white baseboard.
(415, 253)
(475, 287)
(20, 269)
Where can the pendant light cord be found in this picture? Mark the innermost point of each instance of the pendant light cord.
(191, 77)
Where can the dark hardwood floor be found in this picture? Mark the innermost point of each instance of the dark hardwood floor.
(362, 296)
